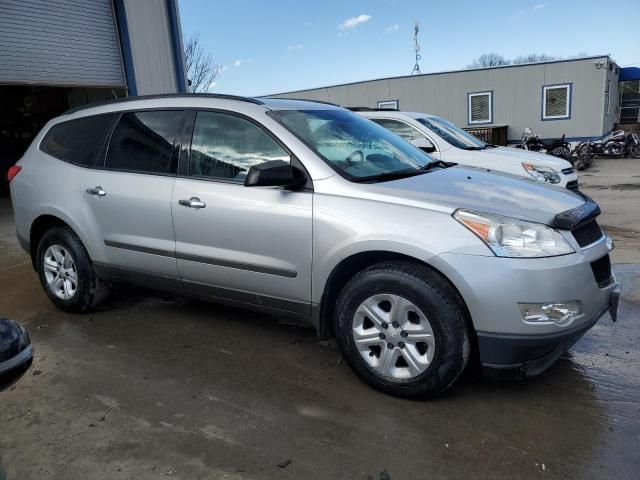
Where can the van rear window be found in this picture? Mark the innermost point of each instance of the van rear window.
(77, 141)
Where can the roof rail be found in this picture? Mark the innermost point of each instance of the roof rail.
(371, 109)
(303, 100)
(165, 95)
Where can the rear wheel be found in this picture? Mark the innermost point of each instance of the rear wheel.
(402, 329)
(635, 151)
(66, 272)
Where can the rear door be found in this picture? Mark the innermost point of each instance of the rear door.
(127, 199)
(248, 244)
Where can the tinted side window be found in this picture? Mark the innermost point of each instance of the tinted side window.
(77, 141)
(225, 147)
(399, 128)
(143, 142)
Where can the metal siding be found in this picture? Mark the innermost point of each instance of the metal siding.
(61, 42)
(151, 46)
(517, 96)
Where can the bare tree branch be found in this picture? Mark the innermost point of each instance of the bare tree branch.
(489, 60)
(201, 69)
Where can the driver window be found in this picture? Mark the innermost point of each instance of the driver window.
(225, 147)
(401, 129)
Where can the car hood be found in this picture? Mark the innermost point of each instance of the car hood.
(478, 189)
(509, 154)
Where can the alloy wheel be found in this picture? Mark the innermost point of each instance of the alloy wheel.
(60, 272)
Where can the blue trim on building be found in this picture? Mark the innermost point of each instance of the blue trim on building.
(629, 73)
(176, 43)
(570, 84)
(125, 46)
(469, 123)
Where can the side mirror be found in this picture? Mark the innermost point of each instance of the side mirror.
(424, 144)
(275, 173)
(16, 352)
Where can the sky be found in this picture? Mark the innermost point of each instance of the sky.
(273, 46)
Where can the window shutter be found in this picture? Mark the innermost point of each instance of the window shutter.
(556, 102)
(480, 105)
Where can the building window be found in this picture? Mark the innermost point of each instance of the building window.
(389, 105)
(607, 97)
(480, 107)
(556, 102)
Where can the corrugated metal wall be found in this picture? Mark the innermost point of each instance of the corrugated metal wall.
(61, 42)
(151, 47)
(517, 96)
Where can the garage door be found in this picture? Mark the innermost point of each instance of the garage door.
(59, 42)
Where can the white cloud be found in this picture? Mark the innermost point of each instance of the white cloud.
(392, 28)
(539, 6)
(237, 63)
(292, 48)
(354, 22)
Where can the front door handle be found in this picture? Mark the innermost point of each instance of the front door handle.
(96, 192)
(193, 202)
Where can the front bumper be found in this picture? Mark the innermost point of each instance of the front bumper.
(529, 355)
(492, 287)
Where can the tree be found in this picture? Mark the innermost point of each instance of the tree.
(201, 69)
(489, 60)
(534, 57)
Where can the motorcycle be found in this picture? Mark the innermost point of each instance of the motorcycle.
(557, 147)
(617, 144)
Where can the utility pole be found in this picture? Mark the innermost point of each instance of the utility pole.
(416, 67)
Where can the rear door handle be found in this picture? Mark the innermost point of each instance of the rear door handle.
(96, 192)
(193, 202)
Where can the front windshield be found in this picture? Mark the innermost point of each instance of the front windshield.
(355, 147)
(452, 134)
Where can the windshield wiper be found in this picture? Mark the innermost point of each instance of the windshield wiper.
(387, 176)
(436, 163)
(484, 147)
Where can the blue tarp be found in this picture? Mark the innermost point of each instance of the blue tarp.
(629, 73)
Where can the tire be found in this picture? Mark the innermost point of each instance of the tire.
(635, 151)
(432, 302)
(72, 293)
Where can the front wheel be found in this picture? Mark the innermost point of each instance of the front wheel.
(635, 151)
(402, 329)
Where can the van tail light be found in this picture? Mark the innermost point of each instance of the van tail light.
(13, 171)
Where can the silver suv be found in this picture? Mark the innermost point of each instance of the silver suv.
(305, 209)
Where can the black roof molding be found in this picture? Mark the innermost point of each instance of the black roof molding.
(115, 101)
(302, 100)
(371, 109)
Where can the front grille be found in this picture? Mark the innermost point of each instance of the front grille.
(572, 185)
(588, 233)
(602, 271)
(567, 171)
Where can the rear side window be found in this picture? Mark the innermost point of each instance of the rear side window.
(77, 141)
(143, 142)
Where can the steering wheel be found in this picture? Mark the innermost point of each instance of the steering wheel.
(350, 159)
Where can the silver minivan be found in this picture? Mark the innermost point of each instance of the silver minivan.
(308, 210)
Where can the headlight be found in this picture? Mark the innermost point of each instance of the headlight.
(542, 174)
(510, 237)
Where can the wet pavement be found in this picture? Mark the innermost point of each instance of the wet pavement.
(154, 386)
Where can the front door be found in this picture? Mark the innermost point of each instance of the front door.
(248, 244)
(127, 201)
